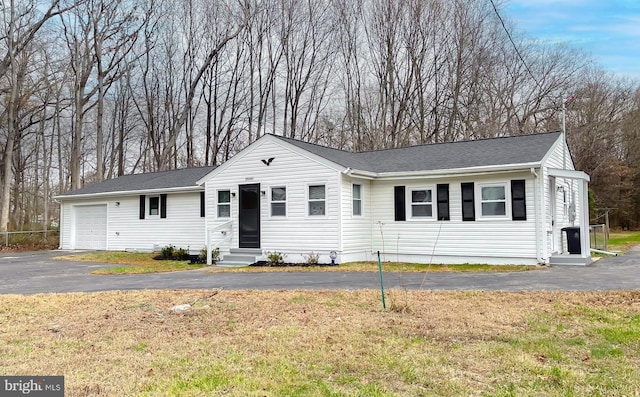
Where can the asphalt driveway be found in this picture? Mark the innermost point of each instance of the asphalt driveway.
(35, 272)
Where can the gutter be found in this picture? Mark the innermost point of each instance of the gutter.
(459, 172)
(60, 228)
(130, 192)
(538, 227)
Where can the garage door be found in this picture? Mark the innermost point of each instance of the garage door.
(91, 227)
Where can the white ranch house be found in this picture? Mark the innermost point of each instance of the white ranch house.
(498, 201)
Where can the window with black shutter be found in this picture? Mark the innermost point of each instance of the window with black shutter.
(202, 204)
(468, 204)
(143, 201)
(518, 200)
(443, 202)
(163, 206)
(399, 203)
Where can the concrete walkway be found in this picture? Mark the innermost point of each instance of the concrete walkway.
(35, 272)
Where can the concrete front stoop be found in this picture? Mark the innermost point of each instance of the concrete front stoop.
(569, 259)
(239, 257)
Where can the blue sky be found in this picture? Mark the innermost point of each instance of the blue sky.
(607, 29)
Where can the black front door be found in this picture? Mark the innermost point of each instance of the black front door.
(249, 216)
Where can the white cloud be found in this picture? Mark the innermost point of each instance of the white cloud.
(608, 29)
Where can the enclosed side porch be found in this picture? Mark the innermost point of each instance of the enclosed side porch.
(577, 240)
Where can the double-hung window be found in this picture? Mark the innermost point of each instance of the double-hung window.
(357, 200)
(317, 200)
(154, 206)
(279, 201)
(421, 203)
(493, 200)
(224, 204)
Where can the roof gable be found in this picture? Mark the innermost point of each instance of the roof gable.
(173, 179)
(522, 149)
(290, 145)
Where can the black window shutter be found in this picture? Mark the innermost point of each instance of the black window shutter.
(518, 200)
(468, 204)
(143, 200)
(399, 205)
(443, 202)
(163, 206)
(202, 204)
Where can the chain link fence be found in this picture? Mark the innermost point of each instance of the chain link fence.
(599, 235)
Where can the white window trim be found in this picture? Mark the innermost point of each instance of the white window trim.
(409, 205)
(155, 216)
(353, 199)
(562, 191)
(507, 201)
(286, 202)
(218, 204)
(308, 202)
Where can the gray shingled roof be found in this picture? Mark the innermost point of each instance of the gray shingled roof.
(186, 177)
(520, 149)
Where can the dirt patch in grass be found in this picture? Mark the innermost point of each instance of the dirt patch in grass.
(274, 343)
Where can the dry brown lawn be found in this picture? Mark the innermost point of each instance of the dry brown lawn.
(327, 343)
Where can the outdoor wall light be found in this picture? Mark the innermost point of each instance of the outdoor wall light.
(233, 194)
(263, 192)
(117, 204)
(333, 255)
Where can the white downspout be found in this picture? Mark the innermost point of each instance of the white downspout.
(583, 194)
(207, 234)
(209, 253)
(340, 214)
(60, 228)
(538, 226)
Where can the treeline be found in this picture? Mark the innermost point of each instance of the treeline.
(93, 89)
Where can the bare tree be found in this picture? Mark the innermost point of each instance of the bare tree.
(99, 35)
(20, 25)
(237, 22)
(305, 34)
(22, 22)
(264, 55)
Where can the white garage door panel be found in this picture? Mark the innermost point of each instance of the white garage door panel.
(91, 227)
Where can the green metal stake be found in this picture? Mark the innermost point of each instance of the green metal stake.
(384, 305)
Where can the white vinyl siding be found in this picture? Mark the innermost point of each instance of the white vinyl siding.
(454, 241)
(356, 230)
(555, 221)
(298, 233)
(183, 226)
